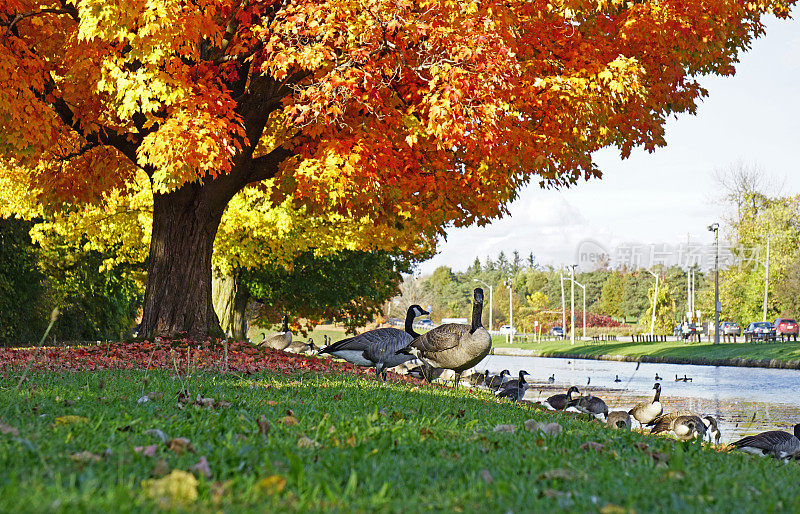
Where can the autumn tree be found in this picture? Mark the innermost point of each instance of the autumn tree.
(413, 114)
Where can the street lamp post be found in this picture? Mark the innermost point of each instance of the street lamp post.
(766, 280)
(655, 299)
(563, 306)
(510, 311)
(490, 301)
(583, 287)
(714, 227)
(572, 303)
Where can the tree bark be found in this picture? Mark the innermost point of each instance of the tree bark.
(178, 295)
(230, 303)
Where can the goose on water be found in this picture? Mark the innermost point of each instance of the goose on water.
(382, 348)
(647, 411)
(552, 378)
(454, 346)
(659, 378)
(618, 420)
(590, 405)
(279, 340)
(559, 401)
(774, 443)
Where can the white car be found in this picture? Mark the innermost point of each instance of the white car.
(508, 329)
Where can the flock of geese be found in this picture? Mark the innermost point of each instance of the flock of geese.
(459, 348)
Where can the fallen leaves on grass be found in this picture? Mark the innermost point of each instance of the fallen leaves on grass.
(306, 442)
(263, 424)
(179, 488)
(202, 467)
(288, 420)
(147, 451)
(593, 445)
(86, 457)
(505, 428)
(70, 420)
(273, 484)
(486, 476)
(558, 473)
(157, 433)
(180, 445)
(552, 428)
(8, 430)
(160, 469)
(610, 508)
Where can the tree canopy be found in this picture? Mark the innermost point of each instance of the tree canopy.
(409, 115)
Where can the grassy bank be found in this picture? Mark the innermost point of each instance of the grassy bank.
(679, 350)
(309, 441)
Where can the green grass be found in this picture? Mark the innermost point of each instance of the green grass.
(381, 448)
(781, 351)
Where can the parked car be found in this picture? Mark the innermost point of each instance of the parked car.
(759, 331)
(508, 329)
(786, 328)
(426, 323)
(730, 328)
(557, 332)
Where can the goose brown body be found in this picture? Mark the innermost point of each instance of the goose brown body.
(279, 340)
(454, 346)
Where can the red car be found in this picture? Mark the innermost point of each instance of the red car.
(786, 328)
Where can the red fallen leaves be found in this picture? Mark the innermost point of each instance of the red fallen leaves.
(242, 358)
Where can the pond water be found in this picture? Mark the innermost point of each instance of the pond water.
(744, 400)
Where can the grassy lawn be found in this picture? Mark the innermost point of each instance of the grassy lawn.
(781, 351)
(309, 441)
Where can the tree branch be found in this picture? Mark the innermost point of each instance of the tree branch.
(266, 166)
(68, 9)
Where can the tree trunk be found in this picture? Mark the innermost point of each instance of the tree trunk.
(230, 303)
(178, 296)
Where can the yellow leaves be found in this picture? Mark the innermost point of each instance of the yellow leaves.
(273, 484)
(178, 489)
(70, 420)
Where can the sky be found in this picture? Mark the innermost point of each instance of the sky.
(657, 202)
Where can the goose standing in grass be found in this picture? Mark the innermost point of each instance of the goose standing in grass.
(712, 429)
(645, 412)
(515, 394)
(279, 340)
(301, 347)
(666, 422)
(382, 348)
(687, 428)
(590, 405)
(619, 420)
(559, 401)
(774, 443)
(453, 346)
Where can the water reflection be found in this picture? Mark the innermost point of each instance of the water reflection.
(744, 400)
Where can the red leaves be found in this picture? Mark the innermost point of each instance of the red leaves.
(242, 358)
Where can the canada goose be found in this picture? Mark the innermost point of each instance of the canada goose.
(382, 348)
(590, 405)
(514, 393)
(552, 378)
(712, 429)
(588, 380)
(619, 420)
(665, 422)
(517, 382)
(659, 378)
(279, 340)
(495, 381)
(559, 401)
(677, 378)
(687, 428)
(617, 379)
(775, 443)
(301, 347)
(454, 346)
(645, 412)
